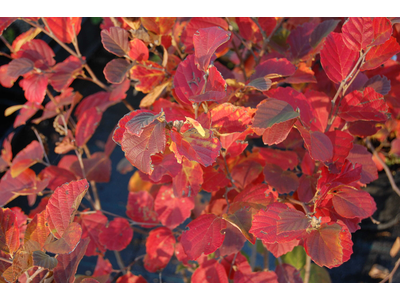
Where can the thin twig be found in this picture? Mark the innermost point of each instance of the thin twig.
(308, 269)
(130, 107)
(120, 262)
(232, 263)
(385, 167)
(6, 260)
(41, 145)
(390, 276)
(40, 269)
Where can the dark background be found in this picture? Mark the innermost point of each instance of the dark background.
(371, 244)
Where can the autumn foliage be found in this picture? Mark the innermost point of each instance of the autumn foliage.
(250, 130)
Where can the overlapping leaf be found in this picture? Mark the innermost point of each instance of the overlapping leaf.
(63, 204)
(67, 265)
(203, 235)
(9, 231)
(206, 41)
(279, 223)
(140, 208)
(192, 145)
(380, 54)
(64, 28)
(367, 106)
(336, 58)
(117, 235)
(159, 249)
(172, 210)
(358, 33)
(68, 241)
(115, 40)
(211, 271)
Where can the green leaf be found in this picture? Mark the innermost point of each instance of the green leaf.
(317, 274)
(296, 258)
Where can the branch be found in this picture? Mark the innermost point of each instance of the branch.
(6, 260)
(308, 268)
(120, 262)
(390, 276)
(385, 167)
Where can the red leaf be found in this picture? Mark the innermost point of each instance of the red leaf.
(29, 156)
(19, 66)
(28, 110)
(260, 193)
(363, 106)
(158, 25)
(11, 187)
(149, 75)
(87, 125)
(97, 167)
(279, 223)
(283, 181)
(342, 143)
(115, 70)
(233, 242)
(248, 29)
(5, 22)
(241, 215)
(351, 203)
(298, 40)
(360, 155)
(138, 149)
(279, 66)
(172, 210)
(277, 133)
(336, 58)
(38, 229)
(99, 99)
(118, 91)
(261, 84)
(165, 166)
(279, 249)
(380, 84)
(130, 278)
(103, 269)
(67, 265)
(321, 31)
(65, 29)
(228, 118)
(189, 181)
(285, 159)
(188, 80)
(159, 249)
(380, 54)
(63, 205)
(117, 235)
(245, 173)
(383, 29)
(39, 52)
(297, 100)
(214, 178)
(34, 86)
(9, 231)
(115, 40)
(57, 176)
(203, 235)
(206, 41)
(288, 274)
(256, 277)
(317, 143)
(358, 33)
(91, 227)
(326, 245)
(65, 72)
(138, 50)
(271, 112)
(211, 271)
(267, 24)
(6, 80)
(192, 145)
(197, 23)
(215, 87)
(68, 242)
(140, 208)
